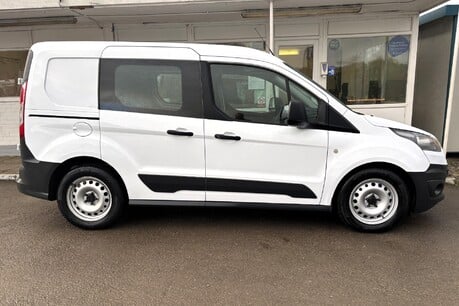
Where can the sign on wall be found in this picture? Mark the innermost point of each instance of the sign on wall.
(398, 45)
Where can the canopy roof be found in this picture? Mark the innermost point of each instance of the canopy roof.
(179, 11)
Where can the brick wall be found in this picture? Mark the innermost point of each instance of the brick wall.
(9, 119)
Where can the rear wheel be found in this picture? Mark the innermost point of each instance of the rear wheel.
(90, 198)
(373, 200)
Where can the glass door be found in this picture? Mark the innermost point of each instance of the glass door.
(301, 55)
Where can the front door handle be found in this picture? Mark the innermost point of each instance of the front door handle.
(227, 137)
(180, 132)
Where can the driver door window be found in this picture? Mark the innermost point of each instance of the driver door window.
(316, 110)
(250, 94)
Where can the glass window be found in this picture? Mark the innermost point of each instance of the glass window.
(250, 94)
(368, 70)
(11, 68)
(315, 108)
(149, 86)
(300, 58)
(257, 95)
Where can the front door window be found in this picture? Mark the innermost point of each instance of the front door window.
(249, 94)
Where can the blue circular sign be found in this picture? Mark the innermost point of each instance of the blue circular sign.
(398, 45)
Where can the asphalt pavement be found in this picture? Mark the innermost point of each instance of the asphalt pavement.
(201, 256)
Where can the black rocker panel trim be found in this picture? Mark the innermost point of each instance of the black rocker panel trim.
(255, 205)
(166, 183)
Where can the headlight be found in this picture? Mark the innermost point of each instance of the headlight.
(425, 142)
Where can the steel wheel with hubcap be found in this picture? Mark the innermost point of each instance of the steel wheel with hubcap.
(373, 200)
(90, 197)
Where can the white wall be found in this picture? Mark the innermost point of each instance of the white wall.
(9, 121)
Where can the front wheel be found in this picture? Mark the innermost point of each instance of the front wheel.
(90, 198)
(373, 200)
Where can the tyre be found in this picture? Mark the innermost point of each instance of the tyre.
(373, 200)
(90, 198)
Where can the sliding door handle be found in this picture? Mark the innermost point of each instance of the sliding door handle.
(180, 132)
(227, 137)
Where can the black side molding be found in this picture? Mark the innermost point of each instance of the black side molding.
(166, 183)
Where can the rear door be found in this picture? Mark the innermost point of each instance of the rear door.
(151, 122)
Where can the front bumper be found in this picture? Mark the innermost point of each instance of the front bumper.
(428, 187)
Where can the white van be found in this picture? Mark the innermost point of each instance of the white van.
(106, 124)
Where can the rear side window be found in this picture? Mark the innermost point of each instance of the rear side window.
(75, 89)
(150, 86)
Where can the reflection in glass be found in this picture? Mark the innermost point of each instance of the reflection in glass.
(11, 68)
(301, 58)
(368, 70)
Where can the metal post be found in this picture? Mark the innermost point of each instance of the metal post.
(271, 25)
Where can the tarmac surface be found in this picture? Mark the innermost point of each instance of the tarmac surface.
(200, 256)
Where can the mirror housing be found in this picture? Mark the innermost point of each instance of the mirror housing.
(297, 115)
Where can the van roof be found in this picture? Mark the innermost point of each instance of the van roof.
(96, 47)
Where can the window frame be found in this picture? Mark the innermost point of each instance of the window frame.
(191, 86)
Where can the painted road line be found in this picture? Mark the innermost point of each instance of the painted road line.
(8, 177)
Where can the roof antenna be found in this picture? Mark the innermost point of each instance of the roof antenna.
(263, 40)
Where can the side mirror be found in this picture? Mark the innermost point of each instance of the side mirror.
(297, 115)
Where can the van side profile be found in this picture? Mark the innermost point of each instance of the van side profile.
(109, 124)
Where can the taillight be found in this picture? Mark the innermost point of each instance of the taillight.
(22, 99)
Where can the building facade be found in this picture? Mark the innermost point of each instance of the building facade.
(364, 53)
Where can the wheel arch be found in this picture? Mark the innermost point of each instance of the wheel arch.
(72, 163)
(378, 165)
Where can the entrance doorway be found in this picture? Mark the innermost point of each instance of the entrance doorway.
(301, 55)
